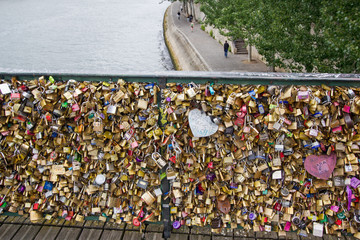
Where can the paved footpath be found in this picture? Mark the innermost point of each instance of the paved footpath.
(211, 50)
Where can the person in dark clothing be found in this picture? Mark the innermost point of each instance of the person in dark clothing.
(190, 17)
(226, 48)
(178, 15)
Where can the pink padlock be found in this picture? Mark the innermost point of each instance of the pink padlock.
(346, 109)
(246, 129)
(15, 96)
(170, 110)
(287, 121)
(243, 108)
(287, 226)
(75, 107)
(334, 208)
(337, 129)
(64, 213)
(134, 144)
(40, 188)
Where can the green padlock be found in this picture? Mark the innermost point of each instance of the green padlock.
(51, 79)
(341, 215)
(64, 104)
(325, 219)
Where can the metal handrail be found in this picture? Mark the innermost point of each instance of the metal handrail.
(203, 77)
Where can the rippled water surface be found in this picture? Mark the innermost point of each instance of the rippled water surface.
(83, 36)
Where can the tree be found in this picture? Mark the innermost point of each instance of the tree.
(188, 7)
(298, 35)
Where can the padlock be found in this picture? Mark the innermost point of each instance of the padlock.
(158, 160)
(98, 125)
(277, 206)
(302, 95)
(142, 184)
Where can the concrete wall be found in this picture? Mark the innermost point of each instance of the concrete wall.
(185, 56)
(220, 38)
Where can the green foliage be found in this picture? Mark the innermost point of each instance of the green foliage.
(298, 35)
(203, 27)
(211, 33)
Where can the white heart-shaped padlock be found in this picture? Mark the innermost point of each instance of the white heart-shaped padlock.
(201, 124)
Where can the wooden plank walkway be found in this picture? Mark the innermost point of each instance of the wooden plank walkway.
(20, 228)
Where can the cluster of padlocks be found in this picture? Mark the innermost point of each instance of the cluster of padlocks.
(264, 158)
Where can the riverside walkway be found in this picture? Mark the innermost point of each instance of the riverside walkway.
(211, 51)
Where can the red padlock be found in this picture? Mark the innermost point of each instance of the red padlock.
(48, 117)
(130, 152)
(71, 213)
(207, 92)
(173, 159)
(211, 165)
(136, 222)
(23, 88)
(239, 121)
(277, 206)
(290, 108)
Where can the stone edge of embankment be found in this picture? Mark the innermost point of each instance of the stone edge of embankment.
(183, 54)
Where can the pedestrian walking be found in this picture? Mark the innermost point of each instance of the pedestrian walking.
(178, 15)
(226, 48)
(181, 8)
(192, 26)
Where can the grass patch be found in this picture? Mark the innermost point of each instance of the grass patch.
(202, 27)
(211, 33)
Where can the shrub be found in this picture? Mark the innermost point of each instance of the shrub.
(203, 27)
(211, 33)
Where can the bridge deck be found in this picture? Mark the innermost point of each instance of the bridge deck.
(20, 228)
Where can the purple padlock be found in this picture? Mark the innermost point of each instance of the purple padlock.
(176, 224)
(252, 216)
(210, 176)
(354, 182)
(21, 189)
(233, 185)
(138, 160)
(168, 99)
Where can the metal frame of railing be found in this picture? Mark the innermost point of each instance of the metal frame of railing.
(203, 77)
(161, 78)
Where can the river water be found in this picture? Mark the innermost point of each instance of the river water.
(83, 36)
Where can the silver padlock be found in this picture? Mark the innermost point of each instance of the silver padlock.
(111, 109)
(142, 184)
